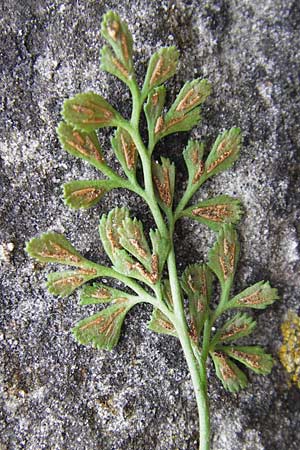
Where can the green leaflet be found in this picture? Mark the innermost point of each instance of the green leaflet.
(182, 122)
(193, 156)
(254, 358)
(101, 293)
(160, 248)
(102, 330)
(258, 296)
(88, 112)
(232, 378)
(167, 294)
(197, 284)
(127, 265)
(110, 63)
(197, 281)
(125, 150)
(239, 326)
(193, 94)
(164, 181)
(108, 229)
(215, 212)
(54, 247)
(223, 256)
(184, 114)
(64, 283)
(153, 112)
(132, 239)
(116, 32)
(159, 323)
(162, 66)
(86, 193)
(117, 239)
(224, 152)
(80, 144)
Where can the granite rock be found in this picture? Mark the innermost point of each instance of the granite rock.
(56, 394)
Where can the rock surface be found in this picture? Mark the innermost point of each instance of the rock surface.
(58, 395)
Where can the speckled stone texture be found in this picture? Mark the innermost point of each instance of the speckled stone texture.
(58, 395)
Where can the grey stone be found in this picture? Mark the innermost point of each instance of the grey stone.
(58, 395)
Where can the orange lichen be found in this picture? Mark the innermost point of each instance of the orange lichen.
(289, 352)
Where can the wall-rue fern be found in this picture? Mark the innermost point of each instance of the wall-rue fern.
(138, 260)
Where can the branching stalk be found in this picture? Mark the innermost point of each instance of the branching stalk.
(137, 264)
(180, 323)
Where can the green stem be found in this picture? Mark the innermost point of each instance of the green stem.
(206, 338)
(148, 193)
(130, 183)
(109, 173)
(188, 194)
(203, 411)
(137, 103)
(196, 367)
(104, 271)
(223, 301)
